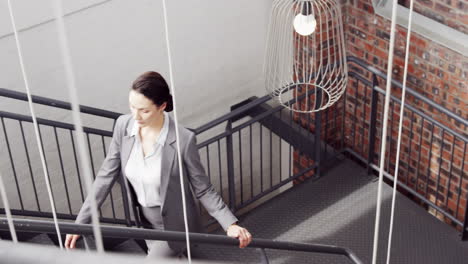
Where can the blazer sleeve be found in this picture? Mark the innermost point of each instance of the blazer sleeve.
(202, 187)
(107, 175)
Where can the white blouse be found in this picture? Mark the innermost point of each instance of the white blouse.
(144, 173)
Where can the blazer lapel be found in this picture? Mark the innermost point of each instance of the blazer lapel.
(167, 161)
(127, 145)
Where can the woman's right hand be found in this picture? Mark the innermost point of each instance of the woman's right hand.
(70, 240)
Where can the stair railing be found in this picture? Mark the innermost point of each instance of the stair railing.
(253, 121)
(432, 163)
(38, 226)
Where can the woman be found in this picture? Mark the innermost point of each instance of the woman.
(144, 150)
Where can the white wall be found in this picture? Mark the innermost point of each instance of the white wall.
(217, 50)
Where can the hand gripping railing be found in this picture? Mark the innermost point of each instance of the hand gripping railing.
(38, 226)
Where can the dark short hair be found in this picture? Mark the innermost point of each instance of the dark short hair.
(153, 86)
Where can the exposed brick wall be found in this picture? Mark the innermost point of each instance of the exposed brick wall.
(432, 161)
(435, 71)
(453, 13)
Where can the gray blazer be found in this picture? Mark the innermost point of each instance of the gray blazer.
(196, 183)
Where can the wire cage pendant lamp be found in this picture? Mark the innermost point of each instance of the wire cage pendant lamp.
(305, 63)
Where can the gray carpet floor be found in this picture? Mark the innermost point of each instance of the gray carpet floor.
(339, 209)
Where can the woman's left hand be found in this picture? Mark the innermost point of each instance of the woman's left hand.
(240, 233)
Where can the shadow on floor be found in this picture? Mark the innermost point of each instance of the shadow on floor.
(339, 209)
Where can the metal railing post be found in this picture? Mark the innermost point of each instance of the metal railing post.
(372, 125)
(464, 233)
(318, 130)
(125, 202)
(230, 165)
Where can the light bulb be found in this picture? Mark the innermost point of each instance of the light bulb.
(304, 25)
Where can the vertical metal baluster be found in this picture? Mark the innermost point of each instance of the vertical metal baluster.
(355, 110)
(208, 161)
(12, 164)
(76, 165)
(440, 165)
(430, 156)
(450, 172)
(90, 155)
(318, 136)
(251, 162)
(343, 122)
(419, 154)
(125, 197)
(307, 130)
(219, 166)
(291, 172)
(240, 168)
(261, 158)
(280, 152)
(110, 191)
(46, 164)
(460, 182)
(410, 143)
(392, 105)
(29, 166)
(230, 165)
(63, 170)
(208, 169)
(127, 202)
(326, 133)
(372, 124)
(465, 223)
(92, 163)
(363, 120)
(335, 145)
(271, 151)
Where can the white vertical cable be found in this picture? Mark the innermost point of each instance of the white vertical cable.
(384, 131)
(171, 80)
(400, 128)
(84, 157)
(7, 210)
(36, 126)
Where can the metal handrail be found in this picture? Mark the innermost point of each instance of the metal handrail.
(57, 124)
(232, 114)
(57, 103)
(353, 59)
(412, 108)
(40, 226)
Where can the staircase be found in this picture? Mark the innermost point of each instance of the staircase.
(263, 121)
(337, 209)
(252, 163)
